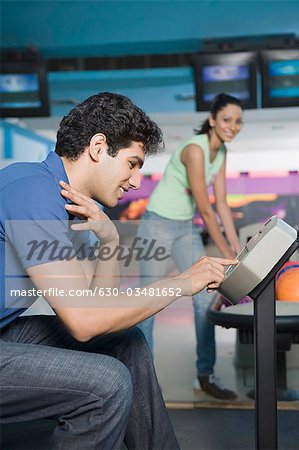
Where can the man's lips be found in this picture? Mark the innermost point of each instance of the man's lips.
(122, 190)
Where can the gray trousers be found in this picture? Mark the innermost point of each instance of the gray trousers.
(102, 393)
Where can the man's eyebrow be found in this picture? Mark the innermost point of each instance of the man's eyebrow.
(139, 160)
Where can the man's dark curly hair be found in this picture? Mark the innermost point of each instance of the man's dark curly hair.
(113, 115)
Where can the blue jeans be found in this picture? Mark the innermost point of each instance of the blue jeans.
(183, 242)
(102, 393)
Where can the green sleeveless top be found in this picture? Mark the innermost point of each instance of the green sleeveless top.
(172, 197)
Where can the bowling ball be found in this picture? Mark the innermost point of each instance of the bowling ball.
(287, 282)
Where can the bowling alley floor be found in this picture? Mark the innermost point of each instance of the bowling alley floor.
(174, 356)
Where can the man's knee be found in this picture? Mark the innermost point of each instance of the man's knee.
(121, 384)
(110, 378)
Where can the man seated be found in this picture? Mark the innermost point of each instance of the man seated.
(86, 366)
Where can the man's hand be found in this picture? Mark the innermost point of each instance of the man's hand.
(207, 272)
(86, 209)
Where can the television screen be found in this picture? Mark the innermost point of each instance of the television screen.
(23, 90)
(231, 73)
(280, 78)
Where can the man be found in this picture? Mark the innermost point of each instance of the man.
(85, 366)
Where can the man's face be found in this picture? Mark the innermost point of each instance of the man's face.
(119, 174)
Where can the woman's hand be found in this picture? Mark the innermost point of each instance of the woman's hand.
(230, 254)
(87, 209)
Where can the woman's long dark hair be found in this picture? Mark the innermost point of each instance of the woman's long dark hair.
(220, 101)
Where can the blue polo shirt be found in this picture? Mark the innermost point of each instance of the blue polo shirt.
(32, 209)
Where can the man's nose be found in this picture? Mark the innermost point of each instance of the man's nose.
(135, 181)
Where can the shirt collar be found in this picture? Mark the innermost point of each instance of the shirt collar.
(56, 167)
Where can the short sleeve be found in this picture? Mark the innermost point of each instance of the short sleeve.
(36, 222)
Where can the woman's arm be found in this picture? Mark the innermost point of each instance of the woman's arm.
(193, 159)
(224, 210)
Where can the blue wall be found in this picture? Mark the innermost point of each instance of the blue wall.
(108, 27)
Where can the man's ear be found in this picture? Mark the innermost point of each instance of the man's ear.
(97, 145)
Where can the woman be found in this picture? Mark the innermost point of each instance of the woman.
(197, 164)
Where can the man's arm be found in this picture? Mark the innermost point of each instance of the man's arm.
(87, 316)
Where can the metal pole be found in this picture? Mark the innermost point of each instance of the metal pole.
(265, 369)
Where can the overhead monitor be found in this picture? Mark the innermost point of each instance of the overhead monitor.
(23, 89)
(232, 73)
(280, 78)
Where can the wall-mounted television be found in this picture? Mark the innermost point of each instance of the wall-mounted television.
(232, 73)
(280, 78)
(23, 89)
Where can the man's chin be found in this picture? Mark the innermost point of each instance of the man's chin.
(112, 203)
(109, 203)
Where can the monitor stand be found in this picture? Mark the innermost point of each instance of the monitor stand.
(265, 356)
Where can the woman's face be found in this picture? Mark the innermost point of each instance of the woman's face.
(227, 123)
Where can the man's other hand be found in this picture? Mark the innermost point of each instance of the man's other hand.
(87, 209)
